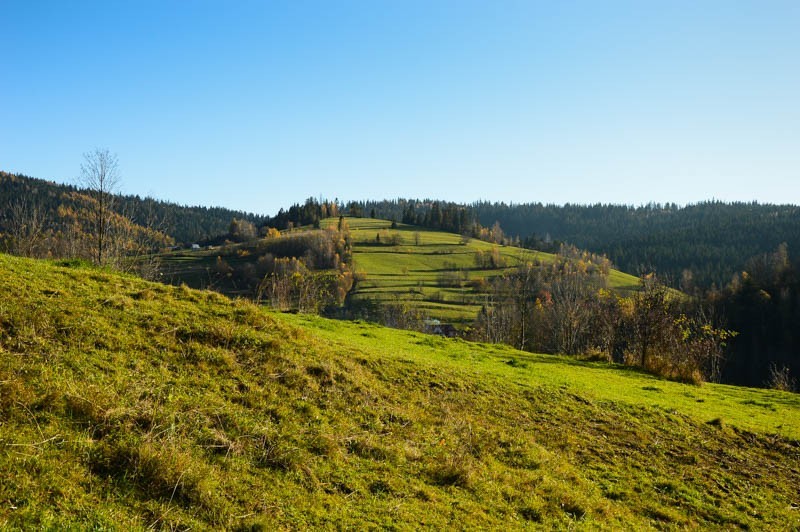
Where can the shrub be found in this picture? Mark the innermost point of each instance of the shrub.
(780, 378)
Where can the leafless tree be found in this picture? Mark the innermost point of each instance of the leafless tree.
(524, 285)
(100, 176)
(148, 263)
(496, 320)
(571, 311)
(26, 226)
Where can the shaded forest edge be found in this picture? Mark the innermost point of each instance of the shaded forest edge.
(692, 246)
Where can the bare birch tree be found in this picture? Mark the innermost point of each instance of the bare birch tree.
(100, 175)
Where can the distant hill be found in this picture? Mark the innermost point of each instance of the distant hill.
(712, 240)
(692, 246)
(183, 223)
(438, 274)
(133, 405)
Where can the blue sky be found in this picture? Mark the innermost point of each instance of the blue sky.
(258, 105)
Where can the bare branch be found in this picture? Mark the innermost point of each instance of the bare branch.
(100, 175)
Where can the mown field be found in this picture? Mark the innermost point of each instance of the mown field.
(127, 404)
(412, 270)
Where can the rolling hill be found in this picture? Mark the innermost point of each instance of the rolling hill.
(128, 404)
(414, 268)
(434, 272)
(710, 240)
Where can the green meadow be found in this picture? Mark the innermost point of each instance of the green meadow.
(408, 268)
(411, 270)
(128, 404)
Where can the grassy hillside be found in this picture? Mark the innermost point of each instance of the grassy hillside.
(131, 405)
(407, 271)
(410, 271)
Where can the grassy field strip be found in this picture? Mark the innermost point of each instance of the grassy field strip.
(409, 272)
(752, 409)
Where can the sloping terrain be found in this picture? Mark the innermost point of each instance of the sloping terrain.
(434, 271)
(130, 404)
(62, 206)
(712, 239)
(439, 274)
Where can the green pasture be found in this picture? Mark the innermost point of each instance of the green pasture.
(409, 272)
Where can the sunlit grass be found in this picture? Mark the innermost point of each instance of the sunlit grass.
(409, 272)
(126, 404)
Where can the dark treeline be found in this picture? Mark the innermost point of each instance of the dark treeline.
(431, 214)
(308, 213)
(762, 303)
(710, 241)
(183, 223)
(442, 215)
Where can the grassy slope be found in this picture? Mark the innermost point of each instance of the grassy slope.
(129, 404)
(406, 272)
(409, 272)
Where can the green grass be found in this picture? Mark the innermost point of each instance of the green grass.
(126, 404)
(752, 409)
(409, 272)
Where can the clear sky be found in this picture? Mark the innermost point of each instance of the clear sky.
(258, 105)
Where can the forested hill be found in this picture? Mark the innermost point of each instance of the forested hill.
(184, 223)
(712, 239)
